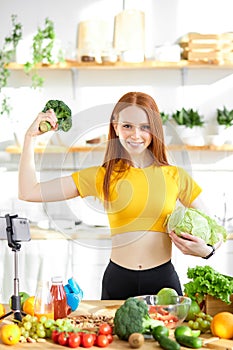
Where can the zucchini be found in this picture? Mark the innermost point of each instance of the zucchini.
(189, 341)
(167, 343)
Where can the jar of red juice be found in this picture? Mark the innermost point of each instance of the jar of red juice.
(59, 298)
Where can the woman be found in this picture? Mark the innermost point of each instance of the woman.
(138, 188)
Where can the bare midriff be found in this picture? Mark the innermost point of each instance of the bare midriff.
(141, 250)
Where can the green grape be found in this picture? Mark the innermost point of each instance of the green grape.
(35, 336)
(195, 325)
(41, 333)
(204, 324)
(48, 323)
(209, 318)
(40, 327)
(43, 319)
(34, 319)
(25, 334)
(59, 322)
(48, 333)
(27, 318)
(27, 325)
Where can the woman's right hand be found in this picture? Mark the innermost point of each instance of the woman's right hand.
(48, 116)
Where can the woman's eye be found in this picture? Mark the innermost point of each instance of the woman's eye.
(127, 126)
(145, 127)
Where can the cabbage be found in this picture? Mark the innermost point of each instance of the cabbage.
(196, 223)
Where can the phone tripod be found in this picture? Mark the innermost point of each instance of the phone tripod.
(15, 298)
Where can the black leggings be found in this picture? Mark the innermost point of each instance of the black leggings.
(120, 283)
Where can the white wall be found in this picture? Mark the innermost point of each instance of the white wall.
(96, 91)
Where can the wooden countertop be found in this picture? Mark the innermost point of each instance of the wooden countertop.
(93, 306)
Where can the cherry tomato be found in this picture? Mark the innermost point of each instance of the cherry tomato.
(87, 340)
(105, 329)
(110, 338)
(54, 335)
(102, 341)
(62, 338)
(74, 340)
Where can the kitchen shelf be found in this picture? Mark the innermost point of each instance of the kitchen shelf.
(68, 64)
(76, 149)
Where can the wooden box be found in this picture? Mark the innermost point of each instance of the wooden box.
(213, 305)
(209, 48)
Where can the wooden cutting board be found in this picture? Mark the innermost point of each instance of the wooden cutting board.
(109, 308)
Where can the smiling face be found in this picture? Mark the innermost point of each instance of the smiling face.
(133, 130)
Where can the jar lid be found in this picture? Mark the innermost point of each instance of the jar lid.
(57, 279)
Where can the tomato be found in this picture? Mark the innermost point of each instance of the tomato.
(62, 338)
(74, 340)
(102, 341)
(105, 329)
(54, 336)
(110, 338)
(87, 340)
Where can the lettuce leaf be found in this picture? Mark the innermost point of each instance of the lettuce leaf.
(205, 280)
(196, 223)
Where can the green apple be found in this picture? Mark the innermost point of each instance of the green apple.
(23, 297)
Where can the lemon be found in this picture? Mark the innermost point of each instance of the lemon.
(166, 296)
(10, 334)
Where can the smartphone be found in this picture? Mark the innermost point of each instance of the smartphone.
(20, 229)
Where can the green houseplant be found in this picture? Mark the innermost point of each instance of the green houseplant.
(165, 117)
(190, 124)
(225, 117)
(42, 52)
(188, 117)
(225, 124)
(7, 54)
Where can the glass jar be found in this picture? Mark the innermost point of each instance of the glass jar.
(43, 305)
(59, 298)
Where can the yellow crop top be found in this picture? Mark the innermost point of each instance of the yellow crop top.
(142, 198)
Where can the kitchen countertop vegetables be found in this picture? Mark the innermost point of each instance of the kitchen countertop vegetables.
(63, 113)
(133, 317)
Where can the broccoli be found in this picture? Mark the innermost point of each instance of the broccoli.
(63, 114)
(133, 317)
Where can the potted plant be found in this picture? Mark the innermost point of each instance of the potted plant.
(165, 117)
(188, 118)
(42, 52)
(7, 54)
(225, 123)
(189, 124)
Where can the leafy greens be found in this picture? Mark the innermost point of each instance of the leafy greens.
(196, 223)
(206, 280)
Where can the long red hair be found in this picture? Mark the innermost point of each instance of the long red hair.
(115, 151)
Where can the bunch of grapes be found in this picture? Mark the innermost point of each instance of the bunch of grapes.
(33, 329)
(201, 321)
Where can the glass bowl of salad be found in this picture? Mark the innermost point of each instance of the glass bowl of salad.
(172, 314)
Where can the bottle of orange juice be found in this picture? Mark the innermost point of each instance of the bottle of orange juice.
(43, 305)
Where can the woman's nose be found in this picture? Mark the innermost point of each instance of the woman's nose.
(136, 132)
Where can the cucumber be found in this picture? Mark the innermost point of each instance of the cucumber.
(189, 341)
(158, 331)
(167, 343)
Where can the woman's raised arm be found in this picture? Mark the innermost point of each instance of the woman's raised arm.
(29, 188)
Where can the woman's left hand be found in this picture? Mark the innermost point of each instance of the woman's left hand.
(192, 245)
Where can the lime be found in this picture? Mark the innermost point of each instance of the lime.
(193, 311)
(166, 296)
(23, 297)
